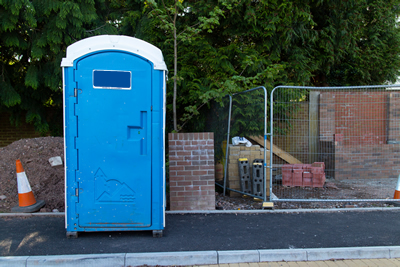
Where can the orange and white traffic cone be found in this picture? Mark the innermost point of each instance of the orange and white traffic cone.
(397, 191)
(27, 201)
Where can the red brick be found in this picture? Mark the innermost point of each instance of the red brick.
(185, 193)
(183, 163)
(191, 148)
(182, 143)
(177, 168)
(183, 183)
(199, 172)
(192, 178)
(200, 183)
(177, 198)
(175, 158)
(177, 178)
(172, 163)
(197, 143)
(207, 187)
(183, 153)
(199, 163)
(191, 168)
(192, 188)
(183, 173)
(197, 152)
(171, 143)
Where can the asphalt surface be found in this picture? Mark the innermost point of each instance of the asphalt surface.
(45, 235)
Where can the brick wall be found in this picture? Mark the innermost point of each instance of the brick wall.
(373, 161)
(191, 171)
(10, 133)
(359, 132)
(361, 117)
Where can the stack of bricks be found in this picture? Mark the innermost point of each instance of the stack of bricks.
(191, 171)
(237, 152)
(304, 175)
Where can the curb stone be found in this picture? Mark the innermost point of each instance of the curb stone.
(283, 255)
(104, 260)
(204, 257)
(238, 256)
(348, 253)
(13, 261)
(172, 258)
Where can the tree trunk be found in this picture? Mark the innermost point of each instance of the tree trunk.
(175, 74)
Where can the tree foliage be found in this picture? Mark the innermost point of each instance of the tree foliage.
(33, 40)
(275, 42)
(168, 16)
(223, 47)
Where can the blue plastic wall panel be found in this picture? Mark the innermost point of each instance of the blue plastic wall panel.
(114, 142)
(71, 153)
(157, 158)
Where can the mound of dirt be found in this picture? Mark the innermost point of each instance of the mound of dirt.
(47, 182)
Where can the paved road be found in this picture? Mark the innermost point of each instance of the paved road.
(42, 235)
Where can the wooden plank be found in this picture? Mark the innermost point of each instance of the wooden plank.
(313, 127)
(277, 151)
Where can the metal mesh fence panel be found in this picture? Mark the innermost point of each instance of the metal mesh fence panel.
(242, 116)
(351, 133)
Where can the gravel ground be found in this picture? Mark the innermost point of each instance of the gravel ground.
(246, 203)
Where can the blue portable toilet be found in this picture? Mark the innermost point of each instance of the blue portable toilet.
(114, 118)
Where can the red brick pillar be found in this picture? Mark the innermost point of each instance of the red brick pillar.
(191, 171)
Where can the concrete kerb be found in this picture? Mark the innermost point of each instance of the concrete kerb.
(172, 258)
(13, 261)
(238, 256)
(348, 253)
(104, 260)
(333, 210)
(205, 257)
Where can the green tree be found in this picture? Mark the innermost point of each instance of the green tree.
(276, 42)
(214, 47)
(358, 42)
(181, 23)
(34, 36)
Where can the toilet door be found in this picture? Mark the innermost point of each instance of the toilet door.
(113, 141)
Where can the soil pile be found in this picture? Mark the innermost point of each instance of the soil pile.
(47, 182)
